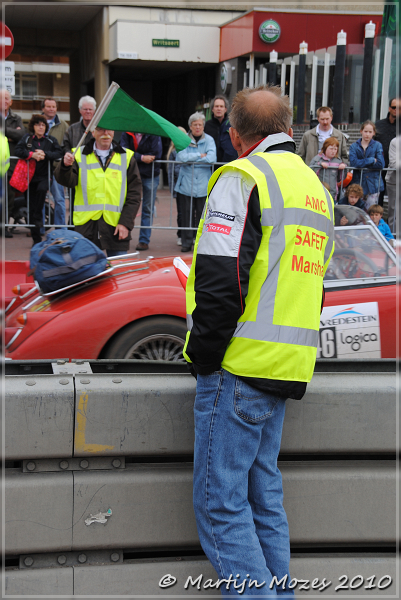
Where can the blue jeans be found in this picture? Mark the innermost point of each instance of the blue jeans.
(149, 190)
(238, 494)
(57, 191)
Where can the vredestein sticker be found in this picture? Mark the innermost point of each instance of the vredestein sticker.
(269, 31)
(350, 331)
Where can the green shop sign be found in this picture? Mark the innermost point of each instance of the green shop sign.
(166, 43)
(269, 31)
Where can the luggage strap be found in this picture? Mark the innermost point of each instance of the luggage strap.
(72, 266)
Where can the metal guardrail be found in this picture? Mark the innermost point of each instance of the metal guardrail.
(49, 205)
(98, 479)
(187, 575)
(100, 415)
(21, 218)
(172, 225)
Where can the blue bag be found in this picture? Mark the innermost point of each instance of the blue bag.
(63, 258)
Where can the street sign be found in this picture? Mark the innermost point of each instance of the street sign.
(8, 83)
(8, 67)
(6, 41)
(7, 76)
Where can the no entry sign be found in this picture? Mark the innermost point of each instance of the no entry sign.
(7, 41)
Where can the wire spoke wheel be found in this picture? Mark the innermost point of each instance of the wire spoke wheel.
(158, 347)
(155, 338)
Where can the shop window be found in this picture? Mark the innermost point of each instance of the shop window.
(26, 86)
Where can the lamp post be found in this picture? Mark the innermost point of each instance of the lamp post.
(367, 70)
(303, 50)
(273, 67)
(252, 70)
(339, 77)
(313, 86)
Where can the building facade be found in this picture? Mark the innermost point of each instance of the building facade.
(174, 59)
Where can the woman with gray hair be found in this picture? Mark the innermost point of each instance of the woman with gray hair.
(194, 175)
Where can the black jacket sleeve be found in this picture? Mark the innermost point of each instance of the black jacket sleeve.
(67, 143)
(222, 275)
(67, 176)
(21, 149)
(54, 150)
(14, 128)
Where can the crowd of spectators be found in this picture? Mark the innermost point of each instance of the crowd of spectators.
(323, 148)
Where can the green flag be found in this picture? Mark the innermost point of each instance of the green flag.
(124, 114)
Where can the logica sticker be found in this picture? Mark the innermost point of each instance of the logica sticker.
(350, 331)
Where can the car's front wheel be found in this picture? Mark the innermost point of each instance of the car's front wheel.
(159, 338)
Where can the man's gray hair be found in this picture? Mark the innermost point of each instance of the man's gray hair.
(85, 99)
(198, 116)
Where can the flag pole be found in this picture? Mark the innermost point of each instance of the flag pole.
(99, 112)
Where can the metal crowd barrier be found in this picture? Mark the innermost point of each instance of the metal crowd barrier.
(98, 480)
(49, 206)
(172, 224)
(25, 204)
(348, 169)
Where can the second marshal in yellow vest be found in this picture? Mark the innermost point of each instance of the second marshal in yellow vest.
(100, 193)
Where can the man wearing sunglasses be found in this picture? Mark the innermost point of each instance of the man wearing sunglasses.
(386, 130)
(107, 191)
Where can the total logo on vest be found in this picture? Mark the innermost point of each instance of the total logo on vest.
(216, 228)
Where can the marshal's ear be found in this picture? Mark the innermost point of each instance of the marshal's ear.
(291, 132)
(235, 140)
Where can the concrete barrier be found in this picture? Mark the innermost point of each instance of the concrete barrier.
(98, 495)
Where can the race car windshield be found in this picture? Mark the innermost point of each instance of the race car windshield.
(350, 215)
(360, 252)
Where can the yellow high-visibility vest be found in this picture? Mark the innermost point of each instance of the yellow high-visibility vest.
(4, 154)
(100, 193)
(277, 335)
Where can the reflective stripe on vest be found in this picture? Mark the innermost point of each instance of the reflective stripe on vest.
(271, 341)
(86, 166)
(263, 327)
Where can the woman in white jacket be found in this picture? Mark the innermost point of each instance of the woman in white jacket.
(192, 181)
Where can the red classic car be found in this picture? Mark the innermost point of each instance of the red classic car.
(136, 309)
